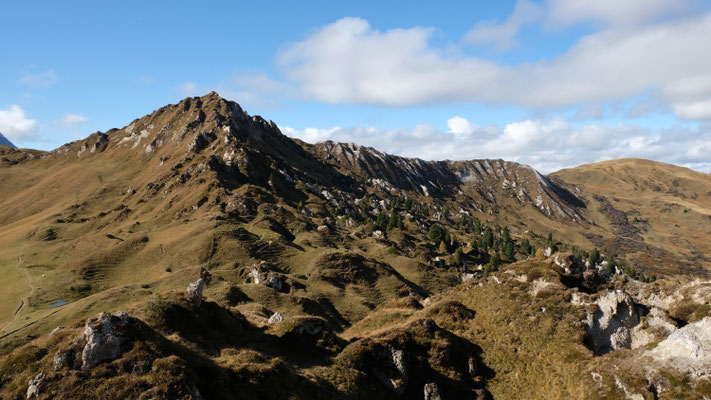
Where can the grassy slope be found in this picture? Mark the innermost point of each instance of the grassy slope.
(151, 251)
(669, 205)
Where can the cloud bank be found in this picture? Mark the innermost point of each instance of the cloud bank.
(349, 62)
(548, 145)
(15, 125)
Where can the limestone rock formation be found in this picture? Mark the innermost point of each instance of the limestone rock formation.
(432, 392)
(394, 361)
(275, 318)
(35, 386)
(688, 349)
(103, 342)
(63, 358)
(194, 291)
(609, 327)
(275, 282)
(472, 366)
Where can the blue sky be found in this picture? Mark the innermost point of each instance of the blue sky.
(551, 83)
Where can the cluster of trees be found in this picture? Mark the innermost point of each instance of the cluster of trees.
(613, 264)
(385, 223)
(497, 239)
(490, 245)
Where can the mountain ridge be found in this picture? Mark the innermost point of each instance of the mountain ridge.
(333, 270)
(6, 142)
(214, 143)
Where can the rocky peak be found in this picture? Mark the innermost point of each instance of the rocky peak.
(5, 142)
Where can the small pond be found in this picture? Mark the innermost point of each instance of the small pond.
(58, 303)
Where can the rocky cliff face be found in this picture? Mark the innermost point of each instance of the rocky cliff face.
(484, 181)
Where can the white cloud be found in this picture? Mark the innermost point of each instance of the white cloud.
(15, 125)
(556, 14)
(350, 62)
(461, 126)
(187, 89)
(694, 109)
(613, 12)
(595, 111)
(254, 89)
(503, 35)
(39, 79)
(71, 120)
(311, 135)
(547, 145)
(645, 107)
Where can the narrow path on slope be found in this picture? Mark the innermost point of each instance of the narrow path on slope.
(25, 300)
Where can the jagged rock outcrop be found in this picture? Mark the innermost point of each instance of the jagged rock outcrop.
(472, 366)
(655, 326)
(688, 349)
(103, 342)
(275, 318)
(394, 362)
(275, 282)
(65, 358)
(432, 392)
(488, 179)
(609, 327)
(35, 385)
(194, 292)
(621, 323)
(259, 275)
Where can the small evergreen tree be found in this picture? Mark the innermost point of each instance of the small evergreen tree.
(458, 254)
(594, 257)
(509, 250)
(442, 247)
(525, 246)
(392, 221)
(364, 205)
(551, 243)
(488, 237)
(495, 261)
(381, 223)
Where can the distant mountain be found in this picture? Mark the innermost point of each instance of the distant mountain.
(5, 142)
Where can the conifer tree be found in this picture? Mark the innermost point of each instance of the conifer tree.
(509, 250)
(458, 254)
(392, 221)
(488, 237)
(442, 247)
(437, 233)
